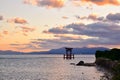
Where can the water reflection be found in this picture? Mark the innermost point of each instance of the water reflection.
(46, 67)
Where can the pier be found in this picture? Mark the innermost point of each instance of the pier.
(69, 54)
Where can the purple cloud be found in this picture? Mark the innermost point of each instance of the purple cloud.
(101, 33)
(113, 17)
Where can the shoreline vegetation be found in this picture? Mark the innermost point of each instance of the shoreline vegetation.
(109, 61)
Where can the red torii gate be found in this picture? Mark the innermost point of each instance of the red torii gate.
(69, 54)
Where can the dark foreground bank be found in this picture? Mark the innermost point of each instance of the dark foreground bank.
(109, 60)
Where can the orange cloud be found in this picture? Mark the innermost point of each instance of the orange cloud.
(103, 2)
(92, 16)
(5, 32)
(27, 29)
(76, 2)
(20, 20)
(33, 2)
(46, 3)
(17, 20)
(65, 17)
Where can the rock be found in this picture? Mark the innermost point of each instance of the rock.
(72, 63)
(80, 63)
(89, 64)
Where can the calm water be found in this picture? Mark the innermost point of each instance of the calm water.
(46, 67)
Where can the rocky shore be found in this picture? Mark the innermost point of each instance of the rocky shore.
(109, 60)
(106, 63)
(109, 67)
(113, 67)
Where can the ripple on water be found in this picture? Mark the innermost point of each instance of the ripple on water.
(46, 68)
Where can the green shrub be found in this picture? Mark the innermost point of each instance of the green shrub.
(116, 77)
(109, 59)
(116, 69)
(113, 54)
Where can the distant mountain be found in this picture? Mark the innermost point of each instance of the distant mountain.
(9, 52)
(83, 50)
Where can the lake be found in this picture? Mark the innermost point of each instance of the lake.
(46, 67)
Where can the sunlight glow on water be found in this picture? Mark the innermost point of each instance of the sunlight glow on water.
(46, 67)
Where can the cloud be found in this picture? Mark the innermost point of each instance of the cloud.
(46, 25)
(56, 30)
(99, 29)
(76, 2)
(46, 3)
(77, 17)
(28, 46)
(15, 44)
(5, 32)
(26, 30)
(50, 43)
(113, 17)
(105, 28)
(17, 20)
(79, 35)
(68, 37)
(68, 29)
(65, 17)
(1, 17)
(20, 20)
(103, 2)
(99, 33)
(62, 42)
(93, 17)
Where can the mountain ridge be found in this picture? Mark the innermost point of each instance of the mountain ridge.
(83, 50)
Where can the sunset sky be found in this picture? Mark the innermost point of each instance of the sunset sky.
(39, 25)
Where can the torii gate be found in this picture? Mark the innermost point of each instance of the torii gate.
(69, 54)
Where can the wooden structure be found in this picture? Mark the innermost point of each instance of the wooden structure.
(69, 54)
